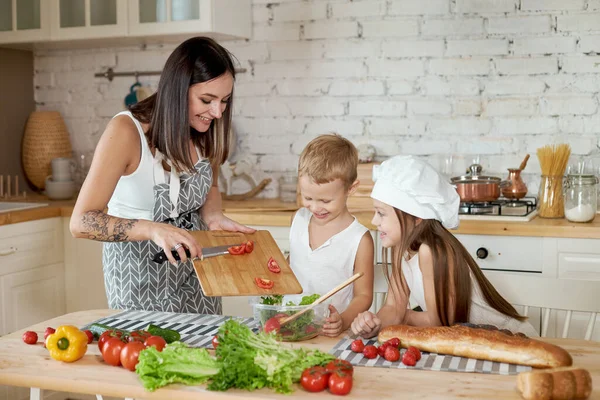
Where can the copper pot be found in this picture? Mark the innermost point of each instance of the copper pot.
(516, 189)
(475, 187)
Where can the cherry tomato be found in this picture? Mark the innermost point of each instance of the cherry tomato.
(111, 352)
(392, 354)
(314, 379)
(273, 265)
(416, 352)
(370, 351)
(409, 359)
(357, 346)
(90, 335)
(394, 342)
(138, 336)
(264, 283)
(156, 341)
(30, 337)
(237, 250)
(130, 353)
(381, 349)
(215, 342)
(49, 331)
(272, 324)
(340, 383)
(249, 246)
(341, 366)
(310, 329)
(105, 336)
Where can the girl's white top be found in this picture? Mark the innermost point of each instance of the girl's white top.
(321, 269)
(481, 312)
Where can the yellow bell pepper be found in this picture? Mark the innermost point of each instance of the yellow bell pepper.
(67, 344)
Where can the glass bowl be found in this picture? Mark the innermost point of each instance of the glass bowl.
(305, 327)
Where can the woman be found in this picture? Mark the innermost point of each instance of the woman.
(156, 168)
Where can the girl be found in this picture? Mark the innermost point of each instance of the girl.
(414, 207)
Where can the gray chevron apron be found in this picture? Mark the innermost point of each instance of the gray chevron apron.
(133, 281)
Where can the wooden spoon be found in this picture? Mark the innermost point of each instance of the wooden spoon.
(524, 163)
(321, 299)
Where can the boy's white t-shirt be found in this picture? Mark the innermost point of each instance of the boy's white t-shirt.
(481, 312)
(321, 269)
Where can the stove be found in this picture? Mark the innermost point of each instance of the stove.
(500, 210)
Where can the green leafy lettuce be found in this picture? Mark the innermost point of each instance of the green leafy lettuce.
(177, 363)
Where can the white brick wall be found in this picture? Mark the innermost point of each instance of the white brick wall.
(497, 78)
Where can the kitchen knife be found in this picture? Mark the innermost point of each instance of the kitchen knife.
(161, 257)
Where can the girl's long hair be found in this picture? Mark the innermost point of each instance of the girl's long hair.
(452, 269)
(199, 59)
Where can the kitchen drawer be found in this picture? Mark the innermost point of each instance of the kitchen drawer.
(31, 244)
(505, 253)
(578, 259)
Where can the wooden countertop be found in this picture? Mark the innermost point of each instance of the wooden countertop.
(30, 366)
(272, 212)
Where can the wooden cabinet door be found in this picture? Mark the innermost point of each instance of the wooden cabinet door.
(31, 296)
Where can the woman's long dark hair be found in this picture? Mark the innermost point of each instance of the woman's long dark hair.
(199, 59)
(452, 284)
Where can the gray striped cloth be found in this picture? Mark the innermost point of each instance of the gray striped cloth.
(431, 361)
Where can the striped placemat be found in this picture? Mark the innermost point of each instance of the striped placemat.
(197, 330)
(431, 361)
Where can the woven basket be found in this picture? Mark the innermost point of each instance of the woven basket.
(45, 138)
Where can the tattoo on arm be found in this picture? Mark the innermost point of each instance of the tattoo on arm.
(99, 226)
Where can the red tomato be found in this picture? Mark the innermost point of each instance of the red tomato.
(249, 246)
(111, 352)
(394, 342)
(357, 346)
(272, 324)
(392, 354)
(273, 265)
(237, 250)
(90, 335)
(138, 336)
(30, 337)
(416, 352)
(340, 383)
(370, 351)
(156, 341)
(381, 349)
(215, 342)
(264, 283)
(409, 359)
(341, 366)
(310, 329)
(105, 336)
(49, 331)
(130, 353)
(314, 379)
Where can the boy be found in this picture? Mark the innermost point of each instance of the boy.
(327, 244)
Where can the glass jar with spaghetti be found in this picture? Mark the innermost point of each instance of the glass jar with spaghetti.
(550, 200)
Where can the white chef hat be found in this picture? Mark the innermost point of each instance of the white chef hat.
(415, 187)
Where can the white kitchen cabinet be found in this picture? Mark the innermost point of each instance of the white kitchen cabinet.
(225, 18)
(88, 19)
(84, 277)
(24, 21)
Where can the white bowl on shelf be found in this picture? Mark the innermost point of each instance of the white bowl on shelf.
(59, 190)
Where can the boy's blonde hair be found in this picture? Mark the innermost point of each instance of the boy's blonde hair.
(329, 157)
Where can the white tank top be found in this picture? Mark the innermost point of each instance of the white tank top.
(481, 312)
(321, 269)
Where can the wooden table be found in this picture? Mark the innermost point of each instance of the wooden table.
(31, 366)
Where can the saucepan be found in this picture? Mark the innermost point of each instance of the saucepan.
(474, 187)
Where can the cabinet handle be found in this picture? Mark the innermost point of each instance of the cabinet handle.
(481, 253)
(8, 252)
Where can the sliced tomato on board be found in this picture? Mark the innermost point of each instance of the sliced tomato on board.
(249, 246)
(264, 283)
(237, 250)
(273, 265)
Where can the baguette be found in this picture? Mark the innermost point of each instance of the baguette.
(484, 344)
(564, 383)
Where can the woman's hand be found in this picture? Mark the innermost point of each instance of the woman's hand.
(333, 325)
(220, 222)
(168, 237)
(366, 324)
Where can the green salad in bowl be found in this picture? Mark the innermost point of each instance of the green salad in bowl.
(307, 326)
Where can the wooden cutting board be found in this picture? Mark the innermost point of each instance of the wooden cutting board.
(230, 275)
